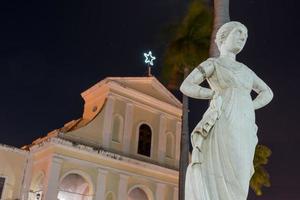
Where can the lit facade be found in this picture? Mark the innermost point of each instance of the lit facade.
(125, 146)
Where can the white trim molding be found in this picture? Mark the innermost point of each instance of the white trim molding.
(101, 184)
(107, 122)
(177, 144)
(162, 139)
(175, 193)
(123, 184)
(160, 192)
(52, 178)
(13, 149)
(128, 127)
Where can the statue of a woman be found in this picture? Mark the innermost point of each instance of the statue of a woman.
(224, 140)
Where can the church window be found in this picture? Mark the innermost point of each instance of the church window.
(144, 142)
(170, 145)
(110, 196)
(117, 128)
(2, 182)
(137, 194)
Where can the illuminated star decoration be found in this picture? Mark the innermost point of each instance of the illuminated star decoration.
(149, 58)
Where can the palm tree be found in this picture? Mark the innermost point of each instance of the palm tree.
(188, 48)
(193, 42)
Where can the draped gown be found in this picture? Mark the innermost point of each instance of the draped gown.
(226, 164)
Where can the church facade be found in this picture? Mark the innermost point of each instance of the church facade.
(125, 146)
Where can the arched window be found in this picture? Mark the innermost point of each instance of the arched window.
(110, 196)
(144, 142)
(117, 128)
(170, 145)
(74, 187)
(137, 194)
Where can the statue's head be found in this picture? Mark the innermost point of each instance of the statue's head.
(231, 37)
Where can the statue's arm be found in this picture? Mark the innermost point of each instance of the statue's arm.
(190, 86)
(265, 94)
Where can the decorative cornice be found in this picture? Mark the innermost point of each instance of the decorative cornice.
(159, 86)
(145, 99)
(13, 149)
(116, 84)
(114, 157)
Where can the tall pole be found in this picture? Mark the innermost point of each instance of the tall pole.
(184, 143)
(149, 70)
(221, 16)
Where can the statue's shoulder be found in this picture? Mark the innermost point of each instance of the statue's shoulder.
(207, 67)
(247, 68)
(208, 63)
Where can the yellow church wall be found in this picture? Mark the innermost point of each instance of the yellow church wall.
(12, 166)
(115, 164)
(135, 181)
(119, 109)
(87, 165)
(169, 194)
(91, 133)
(171, 129)
(112, 182)
(140, 116)
(171, 125)
(40, 164)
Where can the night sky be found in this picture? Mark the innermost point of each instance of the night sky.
(51, 51)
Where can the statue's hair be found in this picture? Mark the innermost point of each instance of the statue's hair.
(224, 31)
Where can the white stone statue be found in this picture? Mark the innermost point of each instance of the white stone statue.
(224, 140)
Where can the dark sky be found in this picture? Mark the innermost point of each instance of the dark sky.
(53, 50)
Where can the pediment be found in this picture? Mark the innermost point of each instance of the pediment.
(146, 85)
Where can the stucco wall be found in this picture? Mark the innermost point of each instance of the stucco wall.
(12, 164)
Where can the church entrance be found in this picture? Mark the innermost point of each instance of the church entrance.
(74, 187)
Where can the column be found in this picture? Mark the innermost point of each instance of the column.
(128, 127)
(101, 184)
(162, 139)
(175, 193)
(177, 145)
(123, 184)
(107, 122)
(160, 191)
(52, 178)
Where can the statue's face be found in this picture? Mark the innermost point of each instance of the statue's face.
(236, 40)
